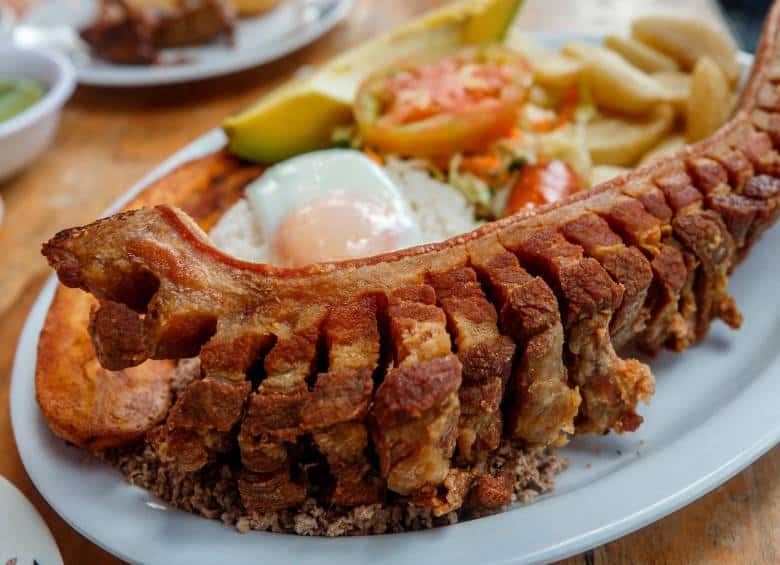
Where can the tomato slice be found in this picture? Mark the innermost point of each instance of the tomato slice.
(539, 184)
(458, 103)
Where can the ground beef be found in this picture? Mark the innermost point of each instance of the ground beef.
(212, 492)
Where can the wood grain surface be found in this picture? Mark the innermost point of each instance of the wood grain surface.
(109, 138)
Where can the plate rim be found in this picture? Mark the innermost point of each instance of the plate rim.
(119, 76)
(646, 507)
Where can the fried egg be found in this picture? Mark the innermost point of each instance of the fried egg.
(330, 205)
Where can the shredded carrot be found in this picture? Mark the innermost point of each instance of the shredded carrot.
(516, 134)
(481, 163)
(565, 111)
(374, 156)
(486, 166)
(569, 105)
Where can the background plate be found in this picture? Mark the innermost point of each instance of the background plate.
(715, 412)
(258, 40)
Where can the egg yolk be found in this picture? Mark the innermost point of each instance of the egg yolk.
(334, 228)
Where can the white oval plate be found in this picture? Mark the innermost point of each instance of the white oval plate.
(714, 413)
(258, 39)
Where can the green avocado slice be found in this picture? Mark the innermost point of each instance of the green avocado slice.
(300, 116)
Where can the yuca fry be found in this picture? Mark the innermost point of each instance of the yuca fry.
(687, 41)
(618, 141)
(603, 173)
(667, 145)
(642, 56)
(709, 103)
(551, 69)
(677, 85)
(614, 82)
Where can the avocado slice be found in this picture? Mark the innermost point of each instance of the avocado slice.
(300, 115)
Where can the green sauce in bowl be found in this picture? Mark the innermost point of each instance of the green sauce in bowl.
(18, 94)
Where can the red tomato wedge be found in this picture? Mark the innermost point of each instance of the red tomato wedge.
(539, 184)
(458, 103)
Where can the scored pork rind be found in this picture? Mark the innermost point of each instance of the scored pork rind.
(642, 259)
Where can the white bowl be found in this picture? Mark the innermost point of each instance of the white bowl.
(24, 536)
(7, 20)
(25, 136)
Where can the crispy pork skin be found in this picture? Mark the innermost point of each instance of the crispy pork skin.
(486, 357)
(272, 425)
(402, 368)
(610, 386)
(416, 410)
(336, 410)
(542, 405)
(626, 265)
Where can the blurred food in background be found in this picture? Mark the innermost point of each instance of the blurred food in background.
(34, 85)
(134, 31)
(17, 94)
(242, 7)
(253, 7)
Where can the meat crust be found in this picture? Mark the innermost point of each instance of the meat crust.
(83, 402)
(408, 355)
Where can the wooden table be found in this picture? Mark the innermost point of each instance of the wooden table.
(108, 139)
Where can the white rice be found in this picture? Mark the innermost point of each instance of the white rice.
(441, 212)
(237, 234)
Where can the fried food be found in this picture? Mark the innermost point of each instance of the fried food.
(253, 7)
(417, 355)
(687, 41)
(667, 145)
(709, 101)
(128, 33)
(603, 173)
(615, 83)
(93, 407)
(642, 56)
(642, 259)
(84, 403)
(614, 140)
(678, 89)
(551, 69)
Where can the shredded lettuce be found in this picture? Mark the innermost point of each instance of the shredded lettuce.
(346, 137)
(586, 108)
(568, 144)
(474, 189)
(517, 153)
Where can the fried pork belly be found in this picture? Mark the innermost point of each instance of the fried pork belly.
(485, 355)
(194, 22)
(631, 219)
(93, 407)
(396, 368)
(626, 265)
(610, 386)
(272, 424)
(542, 405)
(416, 409)
(336, 410)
